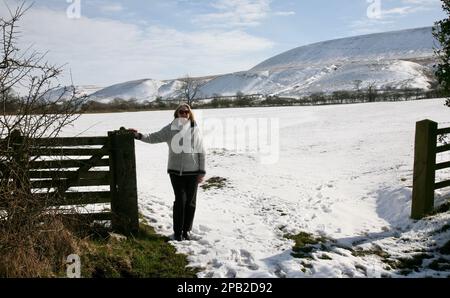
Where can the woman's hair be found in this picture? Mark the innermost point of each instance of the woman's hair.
(191, 114)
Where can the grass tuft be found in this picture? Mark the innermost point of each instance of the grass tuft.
(408, 265)
(143, 255)
(214, 182)
(445, 249)
(441, 209)
(440, 264)
(305, 244)
(376, 250)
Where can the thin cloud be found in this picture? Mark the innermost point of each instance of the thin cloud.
(404, 10)
(398, 11)
(387, 17)
(423, 2)
(112, 7)
(235, 13)
(284, 13)
(411, 6)
(102, 51)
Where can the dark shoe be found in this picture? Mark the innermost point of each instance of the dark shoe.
(178, 237)
(186, 236)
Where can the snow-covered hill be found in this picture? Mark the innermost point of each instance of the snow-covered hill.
(65, 93)
(398, 59)
(141, 90)
(404, 44)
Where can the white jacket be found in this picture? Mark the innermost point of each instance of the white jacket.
(186, 150)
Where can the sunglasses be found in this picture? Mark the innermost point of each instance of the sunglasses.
(182, 112)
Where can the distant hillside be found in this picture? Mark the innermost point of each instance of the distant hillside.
(398, 59)
(404, 44)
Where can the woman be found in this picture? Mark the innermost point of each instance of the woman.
(186, 165)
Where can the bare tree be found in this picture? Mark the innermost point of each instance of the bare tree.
(31, 106)
(189, 89)
(357, 84)
(372, 91)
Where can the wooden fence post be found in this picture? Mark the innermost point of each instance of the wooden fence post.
(20, 210)
(424, 168)
(124, 203)
(20, 158)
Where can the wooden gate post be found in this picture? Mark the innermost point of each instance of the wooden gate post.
(424, 168)
(20, 158)
(20, 209)
(124, 203)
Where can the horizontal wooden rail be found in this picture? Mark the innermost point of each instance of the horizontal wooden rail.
(442, 184)
(87, 218)
(442, 131)
(443, 148)
(66, 151)
(59, 183)
(443, 165)
(82, 141)
(75, 198)
(73, 163)
(71, 199)
(67, 174)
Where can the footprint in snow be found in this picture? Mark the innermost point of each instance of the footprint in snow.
(149, 209)
(216, 263)
(244, 258)
(204, 228)
(326, 209)
(204, 242)
(231, 273)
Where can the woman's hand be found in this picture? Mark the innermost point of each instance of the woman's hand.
(200, 178)
(137, 135)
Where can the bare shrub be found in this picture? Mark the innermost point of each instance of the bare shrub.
(33, 239)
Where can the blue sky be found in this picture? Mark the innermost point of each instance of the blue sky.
(105, 42)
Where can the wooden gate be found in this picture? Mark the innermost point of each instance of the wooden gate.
(60, 168)
(425, 167)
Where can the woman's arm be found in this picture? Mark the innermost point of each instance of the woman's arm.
(157, 137)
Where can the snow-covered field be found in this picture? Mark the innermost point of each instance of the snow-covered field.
(343, 172)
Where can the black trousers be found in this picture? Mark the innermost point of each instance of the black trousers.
(185, 189)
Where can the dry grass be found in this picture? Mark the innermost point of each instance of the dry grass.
(36, 251)
(34, 241)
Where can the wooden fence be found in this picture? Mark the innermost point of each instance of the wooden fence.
(425, 167)
(55, 166)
